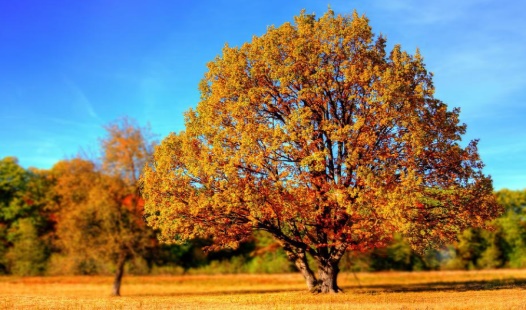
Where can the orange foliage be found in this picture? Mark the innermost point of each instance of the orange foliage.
(313, 133)
(100, 213)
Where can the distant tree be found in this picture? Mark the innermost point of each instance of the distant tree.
(399, 255)
(468, 250)
(494, 254)
(28, 255)
(511, 227)
(26, 225)
(79, 232)
(315, 135)
(504, 245)
(101, 208)
(13, 182)
(186, 256)
(126, 150)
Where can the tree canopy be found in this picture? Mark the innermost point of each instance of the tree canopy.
(316, 134)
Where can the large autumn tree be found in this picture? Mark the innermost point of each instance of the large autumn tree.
(315, 134)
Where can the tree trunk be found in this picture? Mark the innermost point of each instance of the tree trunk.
(299, 258)
(328, 277)
(303, 266)
(118, 276)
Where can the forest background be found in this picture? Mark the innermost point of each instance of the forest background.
(84, 217)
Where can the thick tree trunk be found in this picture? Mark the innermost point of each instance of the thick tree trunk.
(328, 277)
(328, 269)
(118, 276)
(327, 261)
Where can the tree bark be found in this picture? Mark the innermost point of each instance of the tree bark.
(328, 269)
(328, 276)
(299, 258)
(303, 266)
(327, 262)
(118, 276)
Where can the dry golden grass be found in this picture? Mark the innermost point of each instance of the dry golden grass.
(502, 289)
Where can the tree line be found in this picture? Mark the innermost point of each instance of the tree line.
(85, 216)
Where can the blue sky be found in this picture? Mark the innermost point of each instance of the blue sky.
(69, 67)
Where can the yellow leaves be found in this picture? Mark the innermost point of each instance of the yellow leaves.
(310, 129)
(314, 162)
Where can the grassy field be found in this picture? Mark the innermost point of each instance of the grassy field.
(503, 289)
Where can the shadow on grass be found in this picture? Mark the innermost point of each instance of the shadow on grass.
(222, 293)
(456, 286)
